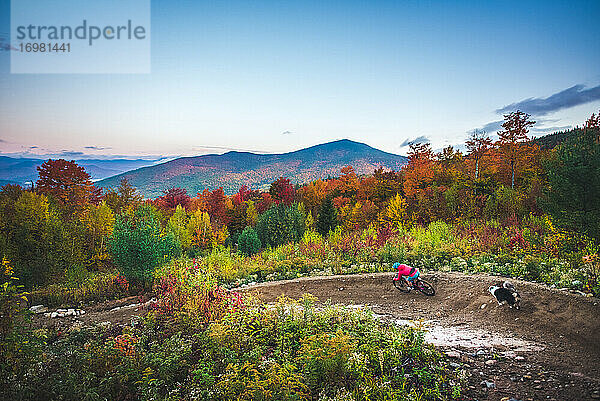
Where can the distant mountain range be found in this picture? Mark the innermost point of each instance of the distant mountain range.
(23, 170)
(257, 171)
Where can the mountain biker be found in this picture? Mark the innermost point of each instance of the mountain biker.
(411, 273)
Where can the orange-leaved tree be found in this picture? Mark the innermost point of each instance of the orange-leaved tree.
(67, 182)
(420, 169)
(511, 137)
(478, 145)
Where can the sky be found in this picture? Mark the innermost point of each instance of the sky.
(280, 76)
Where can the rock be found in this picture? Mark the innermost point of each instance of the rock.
(481, 352)
(490, 362)
(482, 306)
(595, 395)
(38, 309)
(453, 354)
(488, 384)
(53, 315)
(70, 312)
(465, 359)
(519, 358)
(61, 310)
(454, 365)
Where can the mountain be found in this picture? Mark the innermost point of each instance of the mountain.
(233, 169)
(14, 170)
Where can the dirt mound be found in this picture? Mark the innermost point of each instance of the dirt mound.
(561, 330)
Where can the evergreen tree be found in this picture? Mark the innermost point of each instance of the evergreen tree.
(327, 219)
(573, 198)
(138, 246)
(280, 225)
(248, 241)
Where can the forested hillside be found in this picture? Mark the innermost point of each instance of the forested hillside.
(234, 169)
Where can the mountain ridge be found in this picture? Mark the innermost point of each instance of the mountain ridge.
(232, 169)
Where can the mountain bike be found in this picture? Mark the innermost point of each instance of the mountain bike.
(403, 285)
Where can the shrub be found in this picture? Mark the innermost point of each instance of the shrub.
(138, 246)
(279, 225)
(248, 241)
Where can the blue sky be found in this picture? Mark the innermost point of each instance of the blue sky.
(279, 76)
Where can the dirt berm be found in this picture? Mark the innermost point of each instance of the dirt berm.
(560, 331)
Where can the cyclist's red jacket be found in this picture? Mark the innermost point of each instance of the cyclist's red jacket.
(406, 270)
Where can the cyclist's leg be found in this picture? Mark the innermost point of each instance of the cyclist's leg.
(411, 279)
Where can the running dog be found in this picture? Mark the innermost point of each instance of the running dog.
(506, 294)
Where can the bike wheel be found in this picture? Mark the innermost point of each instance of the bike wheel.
(425, 288)
(401, 285)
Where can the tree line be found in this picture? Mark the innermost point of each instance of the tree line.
(65, 223)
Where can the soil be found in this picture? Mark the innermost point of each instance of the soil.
(547, 350)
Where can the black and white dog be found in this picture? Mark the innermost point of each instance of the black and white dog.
(506, 294)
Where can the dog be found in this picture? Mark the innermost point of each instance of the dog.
(506, 294)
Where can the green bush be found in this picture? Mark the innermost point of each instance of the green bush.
(279, 225)
(248, 241)
(138, 245)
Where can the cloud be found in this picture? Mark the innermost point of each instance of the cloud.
(70, 153)
(419, 139)
(203, 148)
(286, 133)
(96, 147)
(565, 99)
(33, 147)
(489, 128)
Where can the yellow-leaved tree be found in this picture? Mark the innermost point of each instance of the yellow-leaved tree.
(395, 212)
(200, 230)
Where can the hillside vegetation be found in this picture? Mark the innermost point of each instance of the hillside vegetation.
(508, 207)
(234, 169)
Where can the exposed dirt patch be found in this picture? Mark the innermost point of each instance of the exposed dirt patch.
(550, 349)
(120, 311)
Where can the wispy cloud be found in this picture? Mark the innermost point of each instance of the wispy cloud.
(565, 99)
(70, 153)
(491, 127)
(286, 133)
(419, 139)
(202, 148)
(97, 148)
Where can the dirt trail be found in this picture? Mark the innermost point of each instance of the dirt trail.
(548, 350)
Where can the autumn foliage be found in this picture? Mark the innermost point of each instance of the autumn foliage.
(65, 221)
